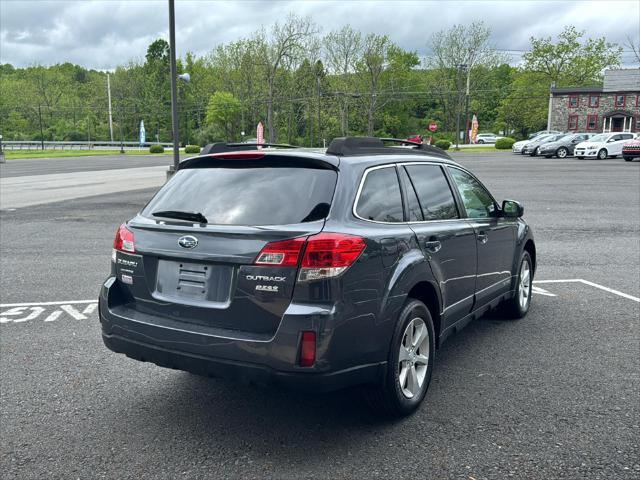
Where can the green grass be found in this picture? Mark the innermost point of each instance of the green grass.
(19, 154)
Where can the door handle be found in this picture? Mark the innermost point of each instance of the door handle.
(433, 245)
(482, 237)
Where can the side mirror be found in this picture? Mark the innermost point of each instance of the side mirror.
(611, 140)
(512, 209)
(575, 140)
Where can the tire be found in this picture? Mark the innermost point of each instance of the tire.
(548, 156)
(602, 154)
(518, 306)
(628, 159)
(562, 152)
(534, 152)
(480, 141)
(393, 399)
(580, 158)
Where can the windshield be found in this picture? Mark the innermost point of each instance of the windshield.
(599, 138)
(252, 195)
(541, 138)
(565, 138)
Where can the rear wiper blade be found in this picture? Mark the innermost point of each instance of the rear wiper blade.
(191, 216)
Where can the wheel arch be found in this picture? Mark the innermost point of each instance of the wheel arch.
(530, 247)
(428, 294)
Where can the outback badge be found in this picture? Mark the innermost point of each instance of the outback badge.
(188, 241)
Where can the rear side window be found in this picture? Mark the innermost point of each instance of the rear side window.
(434, 193)
(380, 199)
(252, 195)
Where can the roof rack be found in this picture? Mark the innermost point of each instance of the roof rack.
(354, 146)
(222, 147)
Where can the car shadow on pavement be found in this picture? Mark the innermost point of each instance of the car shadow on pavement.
(265, 421)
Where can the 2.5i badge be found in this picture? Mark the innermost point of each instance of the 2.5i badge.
(267, 288)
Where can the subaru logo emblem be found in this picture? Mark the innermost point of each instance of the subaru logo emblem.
(188, 241)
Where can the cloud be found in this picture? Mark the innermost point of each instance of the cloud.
(104, 34)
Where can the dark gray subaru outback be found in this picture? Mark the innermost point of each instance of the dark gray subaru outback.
(316, 270)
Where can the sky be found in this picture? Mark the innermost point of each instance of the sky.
(103, 34)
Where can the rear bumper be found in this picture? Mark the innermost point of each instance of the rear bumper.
(256, 358)
(244, 372)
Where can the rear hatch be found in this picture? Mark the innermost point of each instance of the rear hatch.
(204, 268)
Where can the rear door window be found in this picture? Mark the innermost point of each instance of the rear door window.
(380, 199)
(434, 193)
(414, 211)
(248, 195)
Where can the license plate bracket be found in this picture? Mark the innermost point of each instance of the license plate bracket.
(188, 282)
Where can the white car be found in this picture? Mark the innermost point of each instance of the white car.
(603, 145)
(487, 138)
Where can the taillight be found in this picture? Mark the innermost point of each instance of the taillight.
(325, 254)
(329, 254)
(307, 349)
(124, 240)
(284, 253)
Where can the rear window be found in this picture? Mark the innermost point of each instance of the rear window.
(254, 196)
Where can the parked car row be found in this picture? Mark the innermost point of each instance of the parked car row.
(580, 145)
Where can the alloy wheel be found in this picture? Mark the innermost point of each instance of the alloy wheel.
(562, 152)
(413, 359)
(524, 288)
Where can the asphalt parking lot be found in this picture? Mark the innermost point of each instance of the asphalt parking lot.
(555, 395)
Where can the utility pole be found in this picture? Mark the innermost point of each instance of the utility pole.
(553, 85)
(41, 132)
(466, 110)
(458, 106)
(110, 113)
(174, 86)
(319, 120)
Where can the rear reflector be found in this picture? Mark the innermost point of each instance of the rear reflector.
(124, 240)
(307, 349)
(325, 254)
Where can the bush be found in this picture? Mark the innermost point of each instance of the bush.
(192, 149)
(505, 143)
(443, 144)
(156, 149)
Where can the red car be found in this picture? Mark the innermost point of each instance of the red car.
(631, 150)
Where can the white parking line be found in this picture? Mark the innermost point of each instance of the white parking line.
(592, 284)
(42, 304)
(81, 309)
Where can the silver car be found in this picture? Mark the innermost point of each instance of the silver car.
(487, 138)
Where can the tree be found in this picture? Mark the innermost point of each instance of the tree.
(461, 45)
(343, 48)
(223, 111)
(571, 61)
(525, 108)
(285, 41)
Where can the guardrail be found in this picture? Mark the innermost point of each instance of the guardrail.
(80, 145)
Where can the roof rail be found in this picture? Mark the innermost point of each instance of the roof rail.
(354, 146)
(222, 147)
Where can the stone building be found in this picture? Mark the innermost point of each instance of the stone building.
(613, 107)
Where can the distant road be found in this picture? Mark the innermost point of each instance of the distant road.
(47, 166)
(28, 190)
